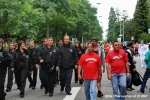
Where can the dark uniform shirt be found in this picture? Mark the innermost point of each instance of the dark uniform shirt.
(22, 57)
(48, 54)
(96, 51)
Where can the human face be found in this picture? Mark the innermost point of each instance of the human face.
(31, 43)
(1, 44)
(116, 46)
(94, 42)
(45, 42)
(120, 46)
(11, 46)
(50, 41)
(66, 40)
(60, 42)
(77, 45)
(90, 48)
(22, 45)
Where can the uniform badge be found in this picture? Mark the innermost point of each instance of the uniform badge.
(71, 50)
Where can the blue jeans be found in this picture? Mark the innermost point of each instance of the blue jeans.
(119, 83)
(90, 89)
(129, 80)
(145, 78)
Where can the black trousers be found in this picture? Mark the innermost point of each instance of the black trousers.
(65, 78)
(2, 82)
(48, 80)
(57, 77)
(21, 78)
(10, 78)
(76, 74)
(34, 80)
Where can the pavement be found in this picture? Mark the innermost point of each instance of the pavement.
(78, 90)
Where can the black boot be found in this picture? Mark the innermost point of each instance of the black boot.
(99, 94)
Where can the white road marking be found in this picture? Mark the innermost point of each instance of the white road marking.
(74, 92)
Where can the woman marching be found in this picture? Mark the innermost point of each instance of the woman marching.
(80, 51)
(22, 66)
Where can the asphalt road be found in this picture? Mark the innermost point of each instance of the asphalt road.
(78, 91)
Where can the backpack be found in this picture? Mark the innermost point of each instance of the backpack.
(136, 78)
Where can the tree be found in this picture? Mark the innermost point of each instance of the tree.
(112, 19)
(140, 20)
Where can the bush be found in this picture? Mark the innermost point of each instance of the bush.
(145, 37)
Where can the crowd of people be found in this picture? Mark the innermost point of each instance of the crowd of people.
(57, 62)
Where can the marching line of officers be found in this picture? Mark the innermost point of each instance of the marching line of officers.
(24, 62)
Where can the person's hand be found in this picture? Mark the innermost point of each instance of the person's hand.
(37, 66)
(134, 62)
(99, 77)
(103, 70)
(134, 70)
(128, 75)
(79, 77)
(57, 68)
(109, 77)
(76, 66)
(12, 69)
(41, 61)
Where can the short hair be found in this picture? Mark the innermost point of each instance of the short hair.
(1, 40)
(59, 40)
(50, 38)
(31, 40)
(114, 42)
(12, 43)
(91, 44)
(66, 36)
(130, 43)
(43, 40)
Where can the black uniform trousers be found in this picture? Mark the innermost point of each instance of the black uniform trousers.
(34, 80)
(48, 79)
(65, 78)
(2, 82)
(10, 78)
(21, 78)
(76, 74)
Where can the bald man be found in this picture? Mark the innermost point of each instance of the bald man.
(69, 60)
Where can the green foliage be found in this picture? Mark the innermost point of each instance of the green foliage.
(111, 23)
(44, 18)
(140, 20)
(145, 37)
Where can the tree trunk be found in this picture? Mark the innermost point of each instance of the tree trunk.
(47, 27)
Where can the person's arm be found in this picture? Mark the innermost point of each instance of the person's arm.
(147, 56)
(128, 71)
(7, 59)
(103, 59)
(131, 61)
(79, 72)
(58, 60)
(75, 55)
(108, 68)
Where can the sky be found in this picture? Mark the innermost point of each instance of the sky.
(104, 9)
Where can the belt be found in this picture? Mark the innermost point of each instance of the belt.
(147, 68)
(22, 62)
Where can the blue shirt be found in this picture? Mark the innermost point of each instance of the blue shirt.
(147, 59)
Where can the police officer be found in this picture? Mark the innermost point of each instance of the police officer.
(44, 43)
(69, 60)
(5, 60)
(33, 55)
(22, 66)
(10, 70)
(50, 62)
